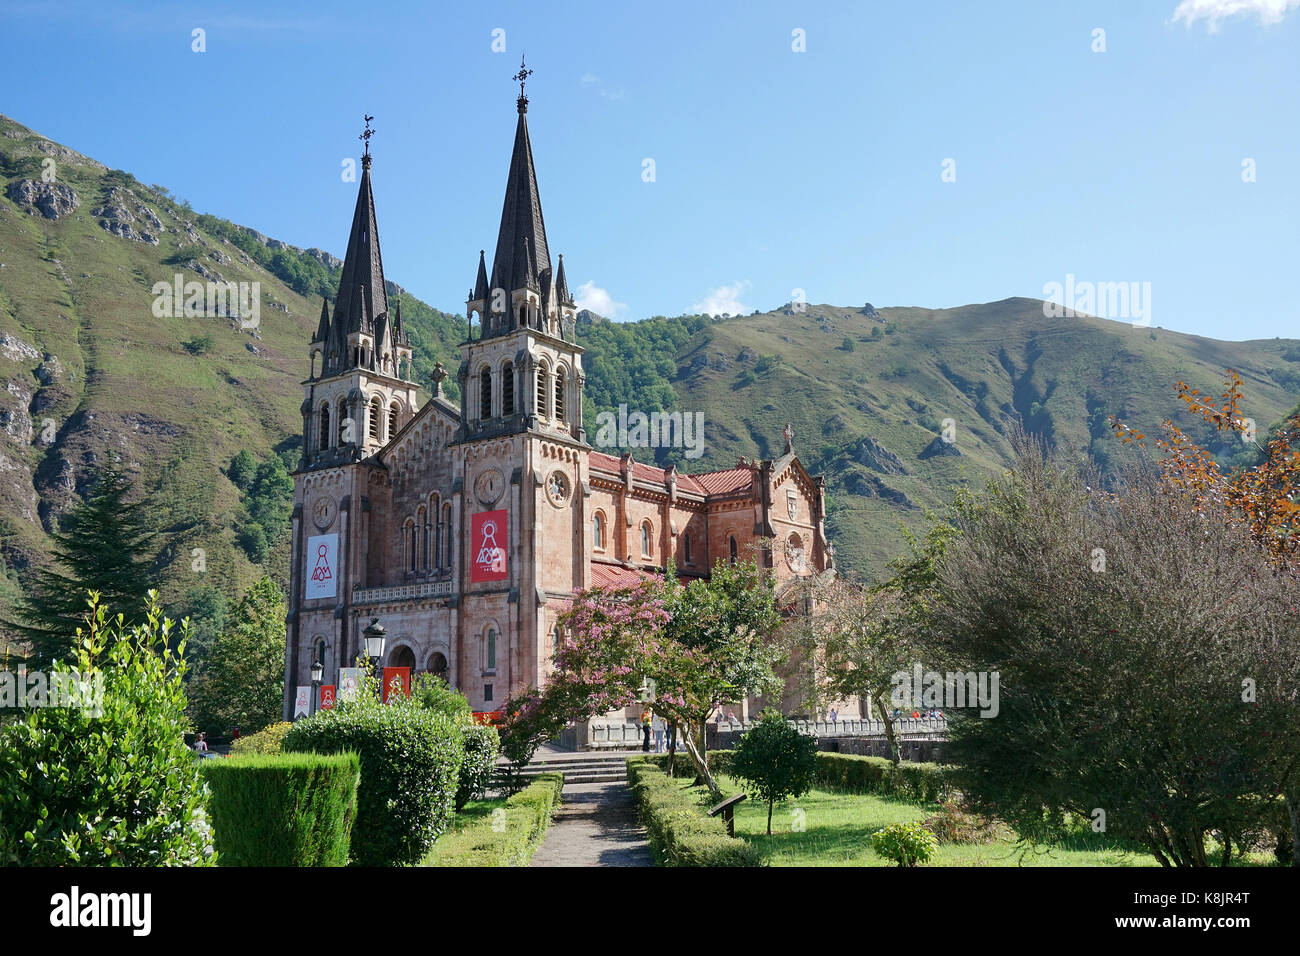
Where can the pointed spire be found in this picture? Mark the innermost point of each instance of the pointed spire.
(562, 286)
(521, 213)
(323, 329)
(481, 292)
(361, 293)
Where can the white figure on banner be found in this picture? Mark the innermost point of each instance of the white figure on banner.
(322, 570)
(490, 556)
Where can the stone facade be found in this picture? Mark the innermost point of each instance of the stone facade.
(466, 529)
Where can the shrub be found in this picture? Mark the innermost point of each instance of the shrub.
(907, 844)
(482, 745)
(433, 693)
(953, 824)
(268, 740)
(775, 760)
(680, 832)
(410, 767)
(283, 809)
(113, 787)
(508, 835)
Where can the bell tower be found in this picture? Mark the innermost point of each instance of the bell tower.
(361, 391)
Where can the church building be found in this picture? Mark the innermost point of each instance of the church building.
(466, 527)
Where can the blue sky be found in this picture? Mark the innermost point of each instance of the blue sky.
(774, 169)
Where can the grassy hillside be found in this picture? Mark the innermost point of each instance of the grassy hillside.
(87, 369)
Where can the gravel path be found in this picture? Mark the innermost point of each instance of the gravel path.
(596, 825)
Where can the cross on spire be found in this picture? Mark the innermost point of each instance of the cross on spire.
(365, 137)
(523, 74)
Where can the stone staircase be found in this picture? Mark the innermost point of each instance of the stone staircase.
(582, 766)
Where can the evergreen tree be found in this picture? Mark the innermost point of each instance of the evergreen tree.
(242, 678)
(101, 545)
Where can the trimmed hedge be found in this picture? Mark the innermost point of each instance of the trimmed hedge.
(482, 745)
(410, 771)
(505, 838)
(282, 809)
(850, 773)
(680, 832)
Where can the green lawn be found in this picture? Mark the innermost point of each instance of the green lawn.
(837, 827)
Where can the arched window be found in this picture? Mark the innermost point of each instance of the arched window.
(686, 548)
(435, 519)
(446, 531)
(543, 391)
(598, 531)
(394, 411)
(485, 393)
(320, 651)
(408, 530)
(376, 418)
(507, 389)
(422, 529)
(523, 315)
(646, 539)
(490, 656)
(559, 394)
(343, 423)
(324, 427)
(734, 550)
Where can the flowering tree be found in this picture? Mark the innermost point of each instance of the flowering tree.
(678, 649)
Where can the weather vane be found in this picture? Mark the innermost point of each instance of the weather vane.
(367, 134)
(523, 74)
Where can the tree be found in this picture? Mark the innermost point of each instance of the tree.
(101, 545)
(1266, 496)
(241, 683)
(775, 760)
(108, 781)
(679, 649)
(853, 639)
(1146, 659)
(243, 468)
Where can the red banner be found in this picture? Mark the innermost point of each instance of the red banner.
(326, 696)
(396, 680)
(489, 536)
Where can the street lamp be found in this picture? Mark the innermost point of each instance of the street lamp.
(317, 672)
(375, 637)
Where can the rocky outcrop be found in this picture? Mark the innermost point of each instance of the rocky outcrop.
(325, 259)
(939, 447)
(878, 458)
(16, 350)
(869, 486)
(50, 200)
(121, 212)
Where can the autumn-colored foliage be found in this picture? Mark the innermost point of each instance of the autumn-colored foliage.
(1263, 495)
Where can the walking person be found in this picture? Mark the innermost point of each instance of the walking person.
(645, 730)
(658, 728)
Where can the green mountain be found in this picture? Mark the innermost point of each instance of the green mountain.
(88, 368)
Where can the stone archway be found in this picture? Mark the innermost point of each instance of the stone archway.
(438, 664)
(402, 656)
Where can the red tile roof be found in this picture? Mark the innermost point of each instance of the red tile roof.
(613, 575)
(705, 483)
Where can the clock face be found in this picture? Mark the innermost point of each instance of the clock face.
(557, 488)
(489, 486)
(794, 557)
(322, 512)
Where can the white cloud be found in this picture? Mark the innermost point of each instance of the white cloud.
(1215, 11)
(591, 79)
(595, 299)
(725, 298)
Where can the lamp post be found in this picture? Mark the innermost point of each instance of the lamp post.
(317, 672)
(375, 636)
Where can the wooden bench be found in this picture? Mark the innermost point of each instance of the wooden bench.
(728, 810)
